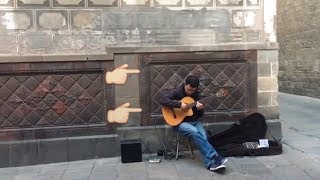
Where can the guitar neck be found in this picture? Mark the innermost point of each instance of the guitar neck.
(202, 101)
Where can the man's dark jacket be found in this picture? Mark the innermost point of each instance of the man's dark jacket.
(172, 99)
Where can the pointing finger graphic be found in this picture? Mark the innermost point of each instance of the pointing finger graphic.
(125, 68)
(126, 108)
(121, 113)
(132, 71)
(119, 75)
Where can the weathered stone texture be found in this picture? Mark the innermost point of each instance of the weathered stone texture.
(264, 69)
(299, 39)
(6, 3)
(16, 20)
(33, 43)
(53, 20)
(165, 27)
(244, 19)
(135, 2)
(68, 3)
(10, 45)
(267, 84)
(69, 43)
(269, 112)
(95, 3)
(168, 2)
(98, 42)
(265, 56)
(199, 2)
(150, 19)
(33, 3)
(118, 19)
(253, 2)
(86, 20)
(138, 23)
(229, 2)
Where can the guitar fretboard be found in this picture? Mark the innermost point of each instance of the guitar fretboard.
(202, 101)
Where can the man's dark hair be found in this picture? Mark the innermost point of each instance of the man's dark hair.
(193, 81)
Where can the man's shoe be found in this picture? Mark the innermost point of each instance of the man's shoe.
(217, 166)
(222, 160)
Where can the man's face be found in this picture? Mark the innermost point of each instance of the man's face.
(189, 89)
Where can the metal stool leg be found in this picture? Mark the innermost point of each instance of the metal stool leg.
(177, 146)
(190, 148)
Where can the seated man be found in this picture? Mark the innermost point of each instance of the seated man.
(191, 126)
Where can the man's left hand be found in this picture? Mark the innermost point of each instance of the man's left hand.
(199, 106)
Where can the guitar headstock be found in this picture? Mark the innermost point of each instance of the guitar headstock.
(222, 92)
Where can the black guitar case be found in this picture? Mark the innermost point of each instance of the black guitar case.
(234, 141)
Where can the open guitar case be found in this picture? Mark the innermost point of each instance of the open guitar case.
(234, 141)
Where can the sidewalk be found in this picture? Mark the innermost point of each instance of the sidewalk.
(300, 158)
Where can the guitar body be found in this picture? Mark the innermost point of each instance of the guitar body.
(174, 116)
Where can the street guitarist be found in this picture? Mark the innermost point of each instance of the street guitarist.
(191, 126)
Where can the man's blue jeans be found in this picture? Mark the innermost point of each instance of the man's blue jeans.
(196, 131)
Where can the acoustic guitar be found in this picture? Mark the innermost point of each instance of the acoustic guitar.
(174, 116)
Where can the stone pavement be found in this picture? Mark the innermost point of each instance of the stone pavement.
(300, 158)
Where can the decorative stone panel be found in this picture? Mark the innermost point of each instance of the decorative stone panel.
(39, 99)
(32, 43)
(33, 3)
(229, 2)
(16, 20)
(232, 73)
(199, 3)
(171, 3)
(104, 3)
(244, 19)
(68, 3)
(253, 2)
(135, 3)
(212, 77)
(54, 20)
(8, 45)
(86, 20)
(6, 3)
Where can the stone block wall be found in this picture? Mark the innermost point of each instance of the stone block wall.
(54, 55)
(299, 40)
(39, 27)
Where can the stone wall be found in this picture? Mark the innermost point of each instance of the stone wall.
(299, 39)
(39, 27)
(54, 55)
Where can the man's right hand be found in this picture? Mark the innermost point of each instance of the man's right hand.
(184, 107)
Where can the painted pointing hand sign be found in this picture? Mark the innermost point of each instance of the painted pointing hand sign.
(121, 113)
(120, 74)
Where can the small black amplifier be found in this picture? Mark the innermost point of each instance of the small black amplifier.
(131, 150)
